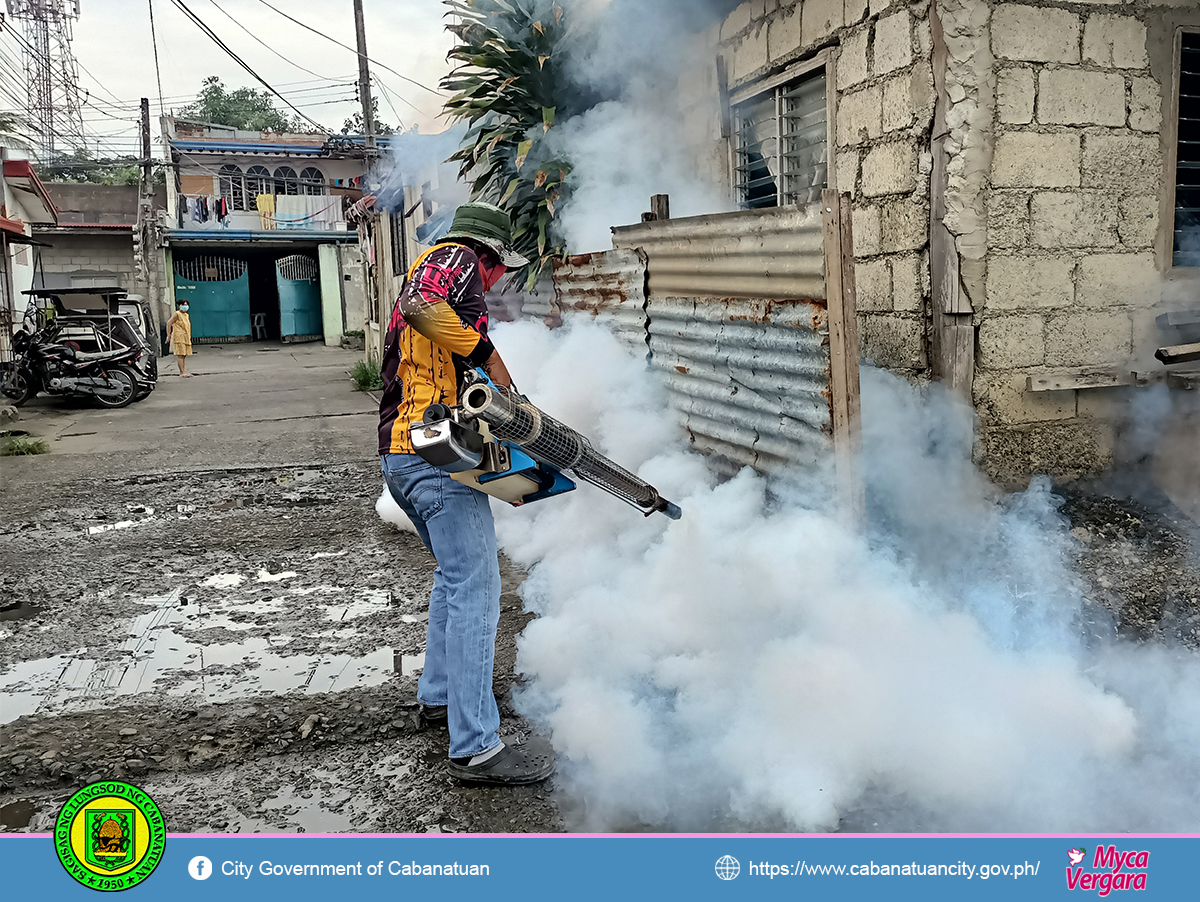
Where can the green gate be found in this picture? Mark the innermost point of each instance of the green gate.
(299, 298)
(217, 290)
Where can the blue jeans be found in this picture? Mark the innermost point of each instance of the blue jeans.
(455, 523)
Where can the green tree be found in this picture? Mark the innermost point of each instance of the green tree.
(82, 166)
(508, 88)
(243, 108)
(354, 125)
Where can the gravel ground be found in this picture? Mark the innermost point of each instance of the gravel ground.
(243, 644)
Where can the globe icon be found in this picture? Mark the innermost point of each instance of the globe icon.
(728, 867)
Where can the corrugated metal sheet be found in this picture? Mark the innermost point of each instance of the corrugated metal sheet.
(610, 286)
(735, 316)
(772, 254)
(750, 378)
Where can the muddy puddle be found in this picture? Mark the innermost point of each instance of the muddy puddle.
(227, 646)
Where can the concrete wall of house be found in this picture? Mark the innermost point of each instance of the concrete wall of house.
(1056, 192)
(91, 254)
(883, 114)
(1079, 225)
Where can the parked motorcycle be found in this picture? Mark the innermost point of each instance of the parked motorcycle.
(107, 377)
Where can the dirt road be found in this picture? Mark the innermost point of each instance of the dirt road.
(200, 597)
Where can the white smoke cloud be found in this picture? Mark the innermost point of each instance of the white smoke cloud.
(643, 58)
(757, 665)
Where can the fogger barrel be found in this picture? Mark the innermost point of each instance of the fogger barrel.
(513, 419)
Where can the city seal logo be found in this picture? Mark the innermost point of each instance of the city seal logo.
(110, 836)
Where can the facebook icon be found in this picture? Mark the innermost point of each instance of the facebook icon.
(200, 868)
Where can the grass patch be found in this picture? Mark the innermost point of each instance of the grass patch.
(15, 446)
(366, 377)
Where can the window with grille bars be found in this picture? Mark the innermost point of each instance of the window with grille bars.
(233, 188)
(286, 181)
(258, 181)
(312, 181)
(782, 144)
(1187, 156)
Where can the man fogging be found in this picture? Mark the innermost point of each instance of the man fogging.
(453, 431)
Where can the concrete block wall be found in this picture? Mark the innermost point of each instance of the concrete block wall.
(1073, 277)
(92, 253)
(883, 116)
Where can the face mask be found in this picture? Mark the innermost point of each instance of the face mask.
(183, 307)
(491, 274)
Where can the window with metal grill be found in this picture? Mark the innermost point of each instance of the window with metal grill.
(782, 144)
(312, 181)
(232, 186)
(286, 181)
(258, 181)
(1187, 157)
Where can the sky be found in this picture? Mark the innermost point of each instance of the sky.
(112, 44)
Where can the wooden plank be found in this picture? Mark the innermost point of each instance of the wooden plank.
(196, 184)
(723, 93)
(1178, 318)
(1178, 353)
(1077, 380)
(843, 353)
(660, 206)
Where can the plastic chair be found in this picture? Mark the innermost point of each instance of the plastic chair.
(258, 325)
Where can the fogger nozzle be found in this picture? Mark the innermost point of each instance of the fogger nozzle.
(513, 419)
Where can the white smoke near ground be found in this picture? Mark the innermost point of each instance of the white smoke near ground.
(390, 512)
(759, 665)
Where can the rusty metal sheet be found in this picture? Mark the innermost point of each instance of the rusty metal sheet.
(767, 254)
(750, 378)
(610, 286)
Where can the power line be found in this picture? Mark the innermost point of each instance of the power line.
(264, 43)
(157, 72)
(355, 52)
(386, 96)
(237, 59)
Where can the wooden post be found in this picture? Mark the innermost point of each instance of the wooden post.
(660, 206)
(843, 353)
(952, 317)
(723, 92)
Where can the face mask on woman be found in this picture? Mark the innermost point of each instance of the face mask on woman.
(183, 307)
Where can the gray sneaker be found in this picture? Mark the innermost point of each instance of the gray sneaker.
(516, 764)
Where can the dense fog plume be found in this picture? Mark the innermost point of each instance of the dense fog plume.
(629, 59)
(759, 665)
(419, 161)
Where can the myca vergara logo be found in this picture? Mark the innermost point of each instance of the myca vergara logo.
(1110, 870)
(110, 836)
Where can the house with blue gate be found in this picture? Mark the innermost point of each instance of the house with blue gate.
(255, 234)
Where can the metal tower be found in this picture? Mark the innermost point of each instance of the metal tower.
(51, 73)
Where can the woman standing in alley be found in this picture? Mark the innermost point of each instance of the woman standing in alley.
(179, 328)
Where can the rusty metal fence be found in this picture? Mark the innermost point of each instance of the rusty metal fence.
(750, 319)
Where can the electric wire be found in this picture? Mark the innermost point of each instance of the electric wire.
(261, 41)
(237, 59)
(386, 96)
(157, 72)
(354, 50)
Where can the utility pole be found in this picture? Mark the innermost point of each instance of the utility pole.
(147, 174)
(364, 77)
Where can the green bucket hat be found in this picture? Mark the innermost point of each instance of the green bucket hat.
(491, 227)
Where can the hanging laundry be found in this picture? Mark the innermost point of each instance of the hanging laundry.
(197, 210)
(265, 204)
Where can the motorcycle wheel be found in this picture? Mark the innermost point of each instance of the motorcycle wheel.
(128, 390)
(19, 386)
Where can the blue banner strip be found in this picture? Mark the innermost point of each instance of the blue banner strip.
(633, 867)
